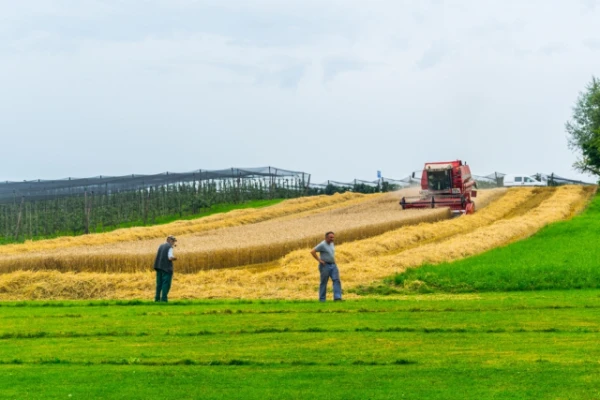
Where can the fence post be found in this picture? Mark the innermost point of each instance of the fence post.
(307, 186)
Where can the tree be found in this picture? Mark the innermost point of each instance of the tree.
(584, 129)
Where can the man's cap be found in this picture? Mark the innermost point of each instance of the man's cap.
(171, 237)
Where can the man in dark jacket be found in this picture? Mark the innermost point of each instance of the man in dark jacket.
(163, 264)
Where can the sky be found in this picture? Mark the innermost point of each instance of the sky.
(336, 88)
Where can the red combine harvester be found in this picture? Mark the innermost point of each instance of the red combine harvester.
(445, 184)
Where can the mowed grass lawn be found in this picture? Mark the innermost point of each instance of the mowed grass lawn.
(516, 345)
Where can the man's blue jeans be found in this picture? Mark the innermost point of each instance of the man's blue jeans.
(330, 271)
(163, 285)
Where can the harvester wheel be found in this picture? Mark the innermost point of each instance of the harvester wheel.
(470, 208)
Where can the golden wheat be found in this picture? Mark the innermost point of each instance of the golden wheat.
(227, 247)
(279, 281)
(295, 276)
(242, 245)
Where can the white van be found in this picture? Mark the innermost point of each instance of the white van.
(523, 180)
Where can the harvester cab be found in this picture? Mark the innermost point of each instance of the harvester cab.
(445, 184)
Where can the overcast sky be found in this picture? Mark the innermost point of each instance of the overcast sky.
(336, 88)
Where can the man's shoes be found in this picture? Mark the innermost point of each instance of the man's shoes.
(338, 300)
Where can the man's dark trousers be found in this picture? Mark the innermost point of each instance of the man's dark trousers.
(163, 285)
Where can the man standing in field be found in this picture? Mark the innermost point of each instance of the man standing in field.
(327, 267)
(163, 264)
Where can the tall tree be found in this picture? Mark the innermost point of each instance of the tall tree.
(584, 129)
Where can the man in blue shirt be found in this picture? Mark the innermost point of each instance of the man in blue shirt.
(327, 267)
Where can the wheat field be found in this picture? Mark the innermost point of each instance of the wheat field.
(238, 244)
(502, 216)
(222, 248)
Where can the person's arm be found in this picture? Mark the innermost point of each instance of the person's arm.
(316, 257)
(171, 256)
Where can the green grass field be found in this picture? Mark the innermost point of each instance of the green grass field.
(517, 345)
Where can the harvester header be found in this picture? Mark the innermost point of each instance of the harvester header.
(445, 184)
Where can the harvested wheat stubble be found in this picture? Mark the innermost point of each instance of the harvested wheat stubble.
(235, 246)
(232, 218)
